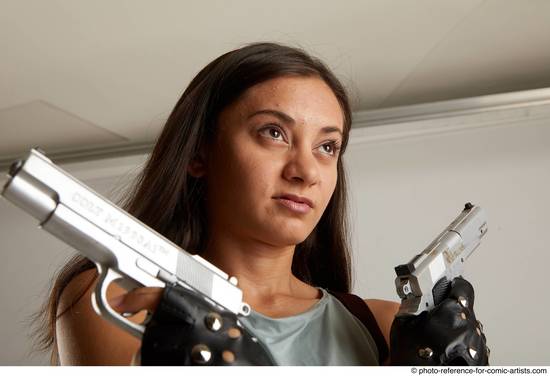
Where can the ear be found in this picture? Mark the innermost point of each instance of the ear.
(197, 166)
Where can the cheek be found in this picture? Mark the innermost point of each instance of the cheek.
(242, 174)
(328, 190)
(252, 181)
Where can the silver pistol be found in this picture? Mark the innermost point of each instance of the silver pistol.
(124, 249)
(424, 281)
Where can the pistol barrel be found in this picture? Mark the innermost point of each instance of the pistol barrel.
(422, 282)
(108, 235)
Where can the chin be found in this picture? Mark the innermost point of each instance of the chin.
(286, 238)
(285, 231)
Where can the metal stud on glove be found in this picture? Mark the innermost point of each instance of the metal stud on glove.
(187, 330)
(449, 334)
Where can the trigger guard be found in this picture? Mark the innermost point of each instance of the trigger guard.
(102, 307)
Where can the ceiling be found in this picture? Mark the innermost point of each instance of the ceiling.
(83, 75)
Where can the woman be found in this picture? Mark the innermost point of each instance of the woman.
(248, 173)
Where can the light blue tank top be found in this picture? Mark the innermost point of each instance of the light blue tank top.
(325, 335)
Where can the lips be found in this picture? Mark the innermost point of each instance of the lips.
(298, 199)
(297, 204)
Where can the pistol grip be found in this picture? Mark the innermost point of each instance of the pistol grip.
(441, 290)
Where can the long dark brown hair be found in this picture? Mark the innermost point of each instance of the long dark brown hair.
(169, 200)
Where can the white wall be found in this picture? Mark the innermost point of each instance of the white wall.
(403, 193)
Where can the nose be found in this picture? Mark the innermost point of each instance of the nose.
(302, 167)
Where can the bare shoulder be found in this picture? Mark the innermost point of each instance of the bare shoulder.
(76, 289)
(383, 306)
(85, 338)
(384, 312)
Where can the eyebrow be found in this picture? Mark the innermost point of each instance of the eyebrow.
(289, 120)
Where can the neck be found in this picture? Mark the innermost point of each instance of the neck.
(264, 271)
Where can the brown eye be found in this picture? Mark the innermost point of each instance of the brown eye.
(330, 148)
(272, 132)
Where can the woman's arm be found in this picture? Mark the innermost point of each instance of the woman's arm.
(85, 338)
(384, 312)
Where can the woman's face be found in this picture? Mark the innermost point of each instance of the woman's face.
(277, 146)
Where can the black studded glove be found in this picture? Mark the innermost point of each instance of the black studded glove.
(447, 335)
(186, 330)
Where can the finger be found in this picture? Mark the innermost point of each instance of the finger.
(449, 316)
(463, 292)
(145, 298)
(470, 350)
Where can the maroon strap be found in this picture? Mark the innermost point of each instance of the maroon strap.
(360, 309)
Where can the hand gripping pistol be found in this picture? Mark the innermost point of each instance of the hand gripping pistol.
(123, 248)
(424, 282)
